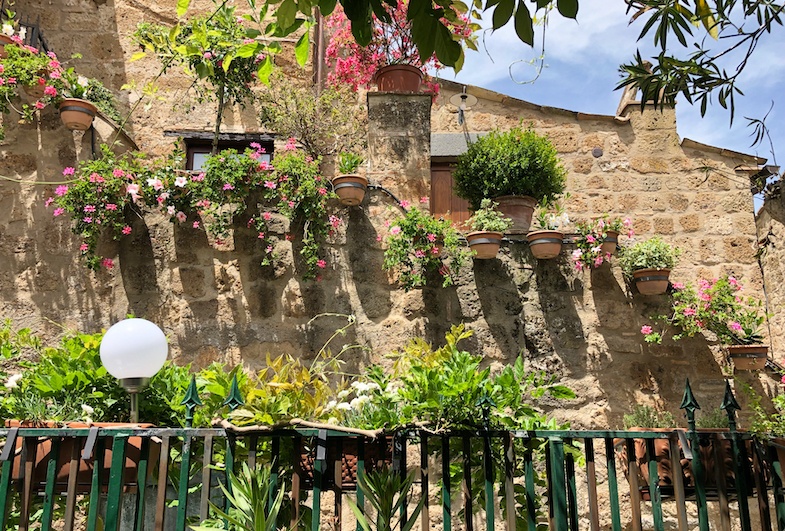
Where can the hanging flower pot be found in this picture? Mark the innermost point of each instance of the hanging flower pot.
(398, 78)
(485, 244)
(4, 39)
(748, 357)
(77, 114)
(520, 209)
(350, 189)
(545, 244)
(610, 242)
(651, 281)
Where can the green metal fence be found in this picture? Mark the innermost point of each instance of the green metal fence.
(118, 478)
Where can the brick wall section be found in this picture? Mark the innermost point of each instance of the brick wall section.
(220, 304)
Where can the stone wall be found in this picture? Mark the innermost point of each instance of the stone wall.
(220, 304)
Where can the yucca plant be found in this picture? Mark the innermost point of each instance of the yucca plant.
(387, 492)
(251, 508)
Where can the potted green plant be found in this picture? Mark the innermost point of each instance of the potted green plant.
(348, 186)
(717, 306)
(9, 33)
(517, 168)
(79, 99)
(417, 243)
(546, 242)
(488, 226)
(648, 264)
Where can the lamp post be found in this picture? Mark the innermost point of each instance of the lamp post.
(132, 351)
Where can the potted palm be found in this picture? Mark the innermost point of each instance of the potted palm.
(488, 226)
(648, 264)
(348, 186)
(517, 168)
(546, 242)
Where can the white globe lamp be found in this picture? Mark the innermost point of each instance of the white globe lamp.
(132, 351)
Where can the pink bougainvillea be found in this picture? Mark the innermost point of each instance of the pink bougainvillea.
(391, 43)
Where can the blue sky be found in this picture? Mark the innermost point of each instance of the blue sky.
(582, 59)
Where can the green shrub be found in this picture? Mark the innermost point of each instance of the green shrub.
(488, 218)
(648, 417)
(516, 162)
(653, 253)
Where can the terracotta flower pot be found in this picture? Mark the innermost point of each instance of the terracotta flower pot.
(485, 244)
(398, 78)
(77, 114)
(346, 451)
(350, 189)
(43, 453)
(545, 244)
(4, 39)
(651, 281)
(520, 209)
(749, 357)
(610, 242)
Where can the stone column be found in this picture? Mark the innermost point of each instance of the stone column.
(399, 143)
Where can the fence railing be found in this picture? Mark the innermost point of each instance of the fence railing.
(118, 478)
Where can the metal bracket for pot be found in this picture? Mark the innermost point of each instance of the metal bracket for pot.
(10, 444)
(651, 277)
(478, 241)
(685, 445)
(89, 444)
(77, 108)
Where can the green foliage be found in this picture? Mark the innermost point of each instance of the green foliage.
(765, 424)
(97, 200)
(713, 419)
(488, 218)
(418, 243)
(515, 162)
(349, 162)
(23, 66)
(648, 417)
(325, 122)
(591, 236)
(253, 506)
(447, 388)
(550, 215)
(71, 85)
(387, 492)
(653, 253)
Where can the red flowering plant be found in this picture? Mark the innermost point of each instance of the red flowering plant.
(417, 242)
(25, 67)
(295, 188)
(391, 43)
(591, 235)
(715, 306)
(97, 199)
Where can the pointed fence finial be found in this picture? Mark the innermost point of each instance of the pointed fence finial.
(689, 404)
(730, 405)
(235, 397)
(190, 402)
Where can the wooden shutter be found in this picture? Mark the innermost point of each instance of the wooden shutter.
(443, 200)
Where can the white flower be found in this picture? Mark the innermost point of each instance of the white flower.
(87, 410)
(360, 387)
(180, 181)
(82, 81)
(11, 382)
(332, 420)
(22, 32)
(576, 254)
(596, 249)
(330, 405)
(373, 386)
(343, 394)
(358, 402)
(170, 210)
(8, 30)
(344, 406)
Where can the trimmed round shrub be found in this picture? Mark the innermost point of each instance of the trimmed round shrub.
(515, 162)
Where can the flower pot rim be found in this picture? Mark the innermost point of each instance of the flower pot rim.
(478, 232)
(349, 176)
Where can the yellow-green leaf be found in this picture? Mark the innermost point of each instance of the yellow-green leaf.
(138, 55)
(302, 47)
(182, 7)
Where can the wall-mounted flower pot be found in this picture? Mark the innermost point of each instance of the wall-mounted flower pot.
(545, 244)
(651, 281)
(77, 114)
(520, 209)
(398, 78)
(610, 242)
(4, 39)
(748, 357)
(350, 189)
(485, 244)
